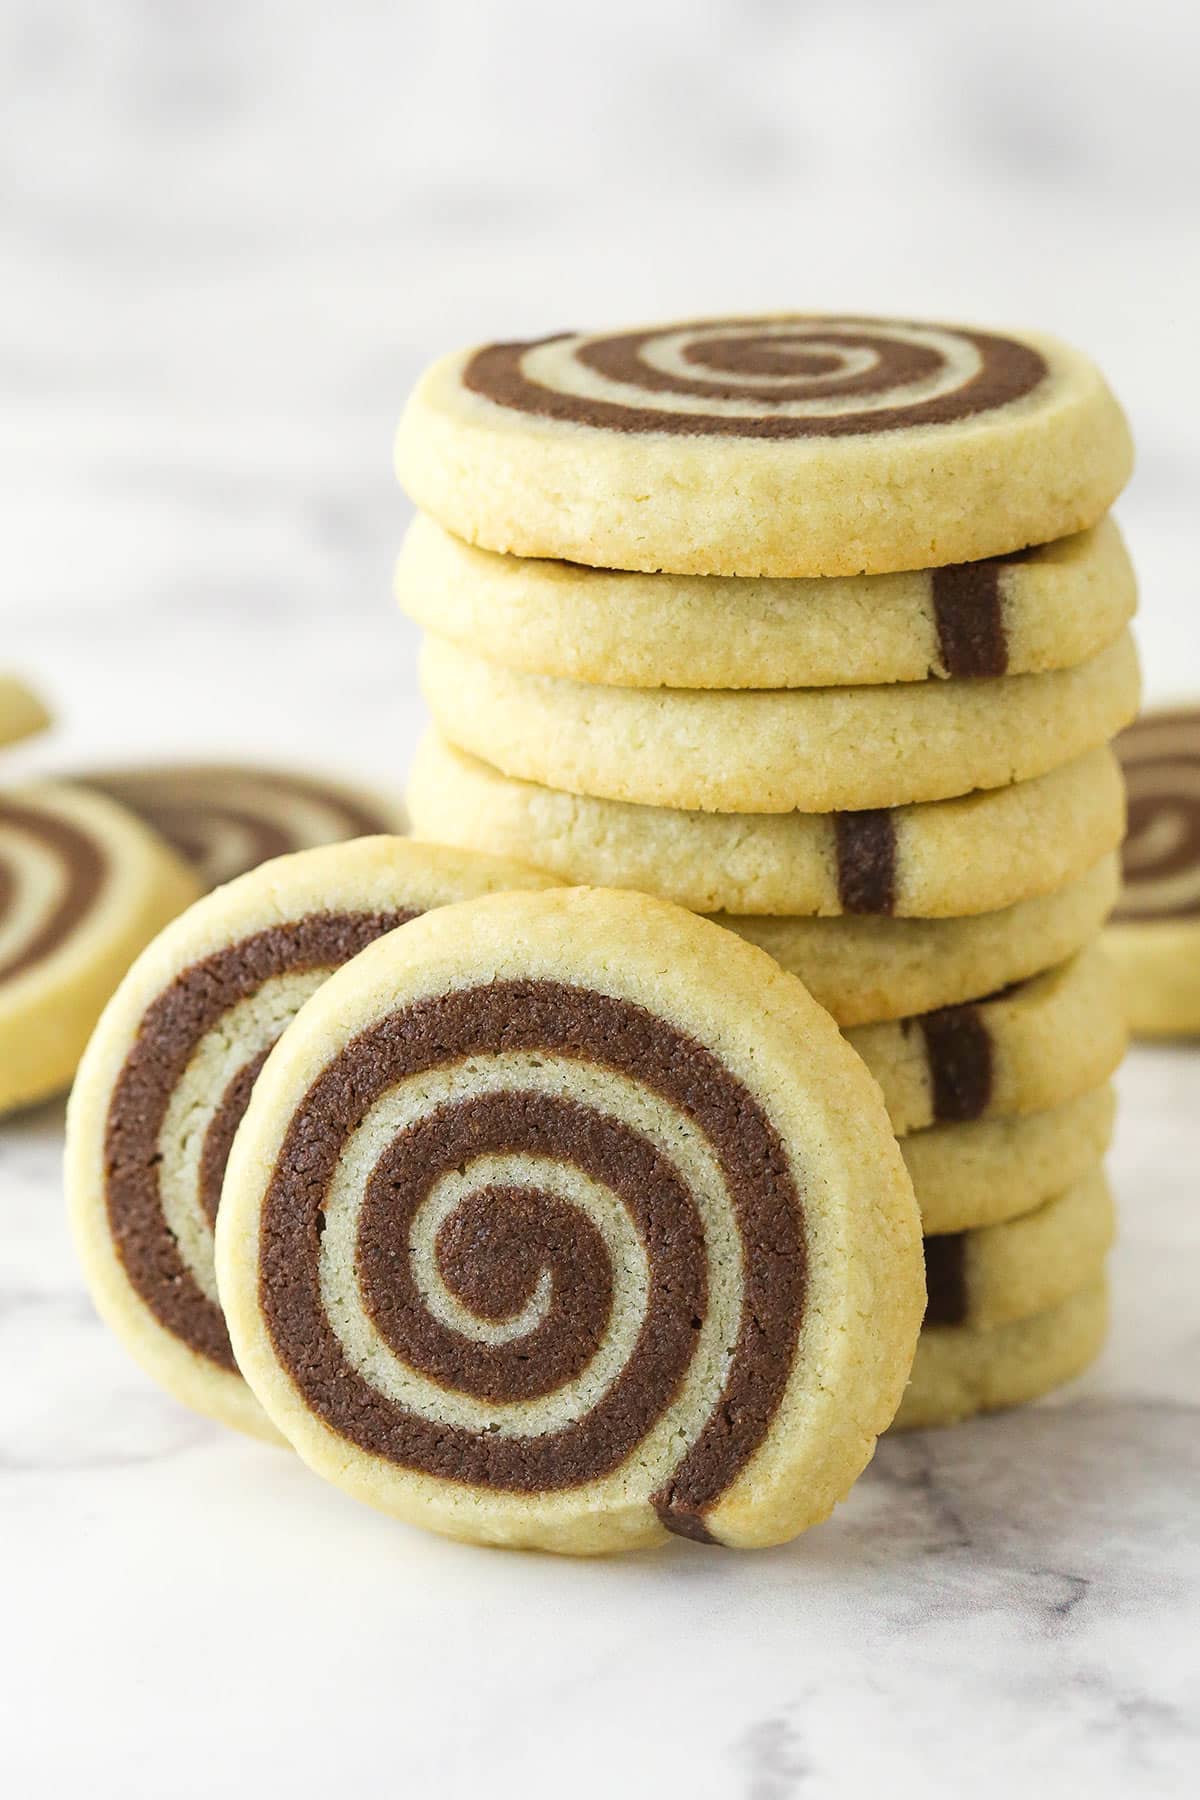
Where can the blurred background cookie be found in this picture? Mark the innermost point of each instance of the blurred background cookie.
(1154, 936)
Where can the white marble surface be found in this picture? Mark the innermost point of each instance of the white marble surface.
(230, 234)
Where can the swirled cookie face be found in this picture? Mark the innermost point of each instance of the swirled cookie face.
(83, 886)
(791, 445)
(1154, 937)
(1160, 863)
(761, 378)
(226, 818)
(171, 1069)
(541, 1230)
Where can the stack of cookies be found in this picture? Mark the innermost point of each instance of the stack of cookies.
(819, 626)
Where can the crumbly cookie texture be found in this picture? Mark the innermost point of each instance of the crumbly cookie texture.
(1154, 937)
(864, 970)
(1030, 1047)
(83, 887)
(226, 818)
(21, 711)
(989, 1170)
(1046, 608)
(792, 445)
(977, 853)
(960, 1370)
(170, 1069)
(815, 750)
(615, 1238)
(998, 1273)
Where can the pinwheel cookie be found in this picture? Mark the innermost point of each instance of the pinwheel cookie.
(566, 1220)
(793, 445)
(83, 887)
(1046, 608)
(226, 818)
(1155, 933)
(168, 1074)
(811, 749)
(973, 854)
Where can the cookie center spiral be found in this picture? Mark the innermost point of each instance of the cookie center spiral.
(527, 1236)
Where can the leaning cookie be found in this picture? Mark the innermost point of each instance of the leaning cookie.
(1039, 609)
(960, 1370)
(566, 1220)
(972, 854)
(806, 749)
(1032, 1046)
(792, 445)
(226, 818)
(987, 1171)
(998, 1273)
(21, 712)
(864, 970)
(1154, 936)
(170, 1069)
(83, 887)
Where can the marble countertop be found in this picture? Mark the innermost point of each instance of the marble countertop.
(231, 234)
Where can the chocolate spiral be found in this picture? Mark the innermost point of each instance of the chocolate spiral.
(180, 1096)
(51, 874)
(788, 377)
(520, 1235)
(226, 820)
(1160, 757)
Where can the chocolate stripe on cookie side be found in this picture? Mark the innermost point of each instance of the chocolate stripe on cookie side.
(797, 377)
(946, 1279)
(172, 1032)
(482, 1276)
(969, 612)
(866, 860)
(958, 1049)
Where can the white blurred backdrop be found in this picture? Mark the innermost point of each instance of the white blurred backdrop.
(231, 232)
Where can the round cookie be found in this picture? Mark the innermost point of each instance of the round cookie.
(792, 445)
(1154, 936)
(561, 1220)
(226, 818)
(168, 1074)
(998, 1273)
(1041, 609)
(83, 886)
(811, 749)
(1030, 1047)
(21, 712)
(864, 970)
(988, 1170)
(947, 858)
(961, 1370)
